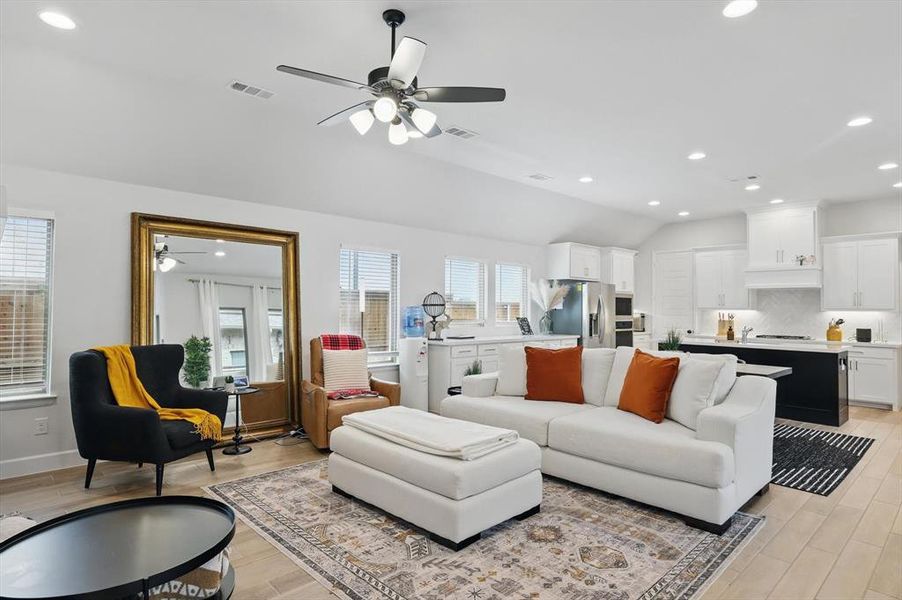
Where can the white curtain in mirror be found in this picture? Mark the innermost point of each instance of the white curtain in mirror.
(260, 350)
(208, 301)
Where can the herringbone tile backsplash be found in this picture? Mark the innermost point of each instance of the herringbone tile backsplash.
(798, 312)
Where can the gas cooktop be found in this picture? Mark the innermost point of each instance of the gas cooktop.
(777, 336)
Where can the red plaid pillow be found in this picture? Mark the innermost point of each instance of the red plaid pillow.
(341, 341)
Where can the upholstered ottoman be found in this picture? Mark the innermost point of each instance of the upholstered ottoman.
(452, 499)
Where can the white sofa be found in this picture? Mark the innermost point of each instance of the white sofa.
(710, 455)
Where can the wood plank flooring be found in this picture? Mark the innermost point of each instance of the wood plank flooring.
(846, 546)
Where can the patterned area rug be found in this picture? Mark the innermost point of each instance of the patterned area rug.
(584, 545)
(814, 460)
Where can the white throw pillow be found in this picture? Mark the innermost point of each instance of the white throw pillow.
(693, 391)
(596, 370)
(512, 372)
(621, 365)
(727, 376)
(345, 370)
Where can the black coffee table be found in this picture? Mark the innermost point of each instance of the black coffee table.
(116, 550)
(236, 447)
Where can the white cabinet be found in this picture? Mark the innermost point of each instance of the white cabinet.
(861, 274)
(573, 261)
(719, 279)
(776, 237)
(642, 340)
(873, 376)
(618, 267)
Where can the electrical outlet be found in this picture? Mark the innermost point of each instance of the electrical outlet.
(41, 426)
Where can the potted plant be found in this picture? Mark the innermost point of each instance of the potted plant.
(474, 369)
(197, 361)
(229, 383)
(671, 341)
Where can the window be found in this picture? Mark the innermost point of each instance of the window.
(368, 288)
(26, 269)
(511, 292)
(233, 337)
(276, 334)
(465, 289)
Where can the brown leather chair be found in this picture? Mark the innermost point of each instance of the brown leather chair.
(320, 416)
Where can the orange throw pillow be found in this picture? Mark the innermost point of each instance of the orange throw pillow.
(647, 386)
(554, 374)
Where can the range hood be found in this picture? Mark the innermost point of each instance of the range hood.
(783, 277)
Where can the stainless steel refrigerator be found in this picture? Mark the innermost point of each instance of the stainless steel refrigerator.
(588, 312)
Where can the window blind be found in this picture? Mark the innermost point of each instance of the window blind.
(26, 253)
(465, 289)
(375, 274)
(511, 292)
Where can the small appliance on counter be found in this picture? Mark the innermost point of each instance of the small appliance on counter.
(862, 335)
(638, 322)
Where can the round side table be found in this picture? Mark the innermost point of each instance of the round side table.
(236, 447)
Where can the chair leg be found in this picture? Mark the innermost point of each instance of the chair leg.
(160, 479)
(90, 472)
(210, 459)
(140, 464)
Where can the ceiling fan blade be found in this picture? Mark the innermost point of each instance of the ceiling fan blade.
(436, 130)
(406, 62)
(460, 94)
(324, 78)
(342, 115)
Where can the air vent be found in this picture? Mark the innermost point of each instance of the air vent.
(250, 90)
(459, 132)
(540, 177)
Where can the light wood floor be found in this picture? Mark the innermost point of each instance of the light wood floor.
(845, 546)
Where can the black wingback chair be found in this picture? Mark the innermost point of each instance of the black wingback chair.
(106, 431)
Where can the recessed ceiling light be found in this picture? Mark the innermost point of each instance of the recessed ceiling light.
(585, 179)
(696, 156)
(777, 201)
(55, 19)
(887, 166)
(219, 253)
(897, 184)
(859, 121)
(739, 8)
(752, 187)
(683, 213)
(654, 203)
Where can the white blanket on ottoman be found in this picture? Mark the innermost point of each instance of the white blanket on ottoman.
(431, 433)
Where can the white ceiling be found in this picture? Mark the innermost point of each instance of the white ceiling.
(622, 91)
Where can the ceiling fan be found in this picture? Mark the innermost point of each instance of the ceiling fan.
(396, 92)
(163, 257)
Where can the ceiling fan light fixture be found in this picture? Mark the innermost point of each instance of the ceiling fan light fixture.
(414, 134)
(385, 109)
(362, 120)
(423, 119)
(397, 133)
(167, 263)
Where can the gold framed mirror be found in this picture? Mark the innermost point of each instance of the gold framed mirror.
(238, 286)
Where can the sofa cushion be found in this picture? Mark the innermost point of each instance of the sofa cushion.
(529, 418)
(693, 390)
(337, 409)
(597, 363)
(647, 386)
(180, 434)
(449, 477)
(725, 378)
(625, 440)
(554, 375)
(622, 360)
(512, 371)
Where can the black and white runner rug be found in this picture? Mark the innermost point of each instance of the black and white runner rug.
(813, 460)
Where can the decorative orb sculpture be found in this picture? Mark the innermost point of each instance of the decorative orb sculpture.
(434, 307)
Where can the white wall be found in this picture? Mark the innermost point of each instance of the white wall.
(91, 297)
(794, 312)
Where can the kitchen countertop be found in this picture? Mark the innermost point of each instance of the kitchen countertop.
(755, 340)
(793, 345)
(500, 339)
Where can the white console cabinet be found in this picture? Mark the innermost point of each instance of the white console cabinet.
(449, 359)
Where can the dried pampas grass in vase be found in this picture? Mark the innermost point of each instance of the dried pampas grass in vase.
(548, 295)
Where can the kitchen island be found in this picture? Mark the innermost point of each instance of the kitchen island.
(818, 389)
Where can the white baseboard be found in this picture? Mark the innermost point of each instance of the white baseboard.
(28, 465)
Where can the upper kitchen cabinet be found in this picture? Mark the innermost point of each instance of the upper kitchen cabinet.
(719, 281)
(776, 237)
(567, 260)
(861, 274)
(618, 267)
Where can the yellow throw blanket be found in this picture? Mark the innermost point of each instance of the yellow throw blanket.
(129, 391)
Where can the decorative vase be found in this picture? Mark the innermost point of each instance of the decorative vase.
(834, 334)
(545, 323)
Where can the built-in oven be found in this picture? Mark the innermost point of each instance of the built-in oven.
(623, 319)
